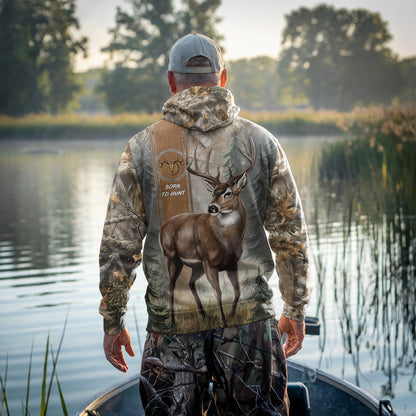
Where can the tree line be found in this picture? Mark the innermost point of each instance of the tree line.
(36, 52)
(331, 58)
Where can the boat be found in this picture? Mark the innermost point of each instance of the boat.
(312, 392)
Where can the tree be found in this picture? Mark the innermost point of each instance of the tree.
(58, 48)
(408, 67)
(339, 57)
(253, 83)
(19, 90)
(88, 100)
(140, 46)
(36, 49)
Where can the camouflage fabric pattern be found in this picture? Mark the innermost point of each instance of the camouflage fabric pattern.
(288, 239)
(209, 120)
(201, 108)
(245, 365)
(121, 244)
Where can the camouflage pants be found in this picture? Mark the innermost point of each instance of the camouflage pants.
(231, 371)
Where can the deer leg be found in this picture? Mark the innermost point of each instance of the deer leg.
(232, 274)
(174, 268)
(197, 272)
(212, 275)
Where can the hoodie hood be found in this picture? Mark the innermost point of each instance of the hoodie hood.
(201, 108)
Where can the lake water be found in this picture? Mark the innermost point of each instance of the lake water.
(53, 200)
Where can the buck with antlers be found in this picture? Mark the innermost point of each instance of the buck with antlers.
(211, 242)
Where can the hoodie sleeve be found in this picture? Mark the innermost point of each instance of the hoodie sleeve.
(121, 244)
(288, 238)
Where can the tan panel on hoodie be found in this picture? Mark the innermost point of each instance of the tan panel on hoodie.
(169, 149)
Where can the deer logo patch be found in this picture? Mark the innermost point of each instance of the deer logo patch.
(171, 165)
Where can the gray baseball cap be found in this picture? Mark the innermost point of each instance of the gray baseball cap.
(195, 45)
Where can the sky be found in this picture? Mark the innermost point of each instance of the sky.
(250, 27)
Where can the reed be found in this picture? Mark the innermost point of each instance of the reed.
(47, 382)
(373, 271)
(299, 122)
(87, 126)
(380, 156)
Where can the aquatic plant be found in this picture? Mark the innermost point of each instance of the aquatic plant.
(373, 176)
(46, 385)
(299, 122)
(379, 156)
(88, 126)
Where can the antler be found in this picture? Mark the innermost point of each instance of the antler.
(211, 180)
(250, 153)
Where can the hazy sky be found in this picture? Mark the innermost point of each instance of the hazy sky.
(251, 27)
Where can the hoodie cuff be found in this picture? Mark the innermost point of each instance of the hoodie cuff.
(293, 313)
(111, 328)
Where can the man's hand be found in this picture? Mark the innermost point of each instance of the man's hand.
(295, 331)
(114, 352)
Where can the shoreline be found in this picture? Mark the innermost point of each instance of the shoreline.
(100, 126)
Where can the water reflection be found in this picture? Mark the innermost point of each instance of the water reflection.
(52, 208)
(34, 218)
(368, 264)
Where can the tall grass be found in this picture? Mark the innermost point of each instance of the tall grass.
(373, 175)
(47, 382)
(299, 122)
(380, 157)
(306, 122)
(85, 126)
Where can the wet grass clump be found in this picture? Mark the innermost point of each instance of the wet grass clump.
(47, 383)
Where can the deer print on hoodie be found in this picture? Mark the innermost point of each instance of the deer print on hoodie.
(210, 195)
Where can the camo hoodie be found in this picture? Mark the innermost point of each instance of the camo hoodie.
(213, 194)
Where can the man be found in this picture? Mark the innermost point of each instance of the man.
(203, 185)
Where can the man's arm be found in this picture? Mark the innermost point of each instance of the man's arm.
(120, 254)
(289, 241)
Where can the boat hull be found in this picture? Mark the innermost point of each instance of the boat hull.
(328, 396)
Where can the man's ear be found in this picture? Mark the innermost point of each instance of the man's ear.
(171, 82)
(224, 78)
